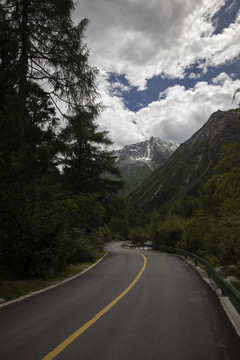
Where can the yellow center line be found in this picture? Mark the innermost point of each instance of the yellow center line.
(83, 328)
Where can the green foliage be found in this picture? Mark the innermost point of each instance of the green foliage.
(46, 235)
(105, 234)
(209, 224)
(230, 158)
(138, 235)
(84, 160)
(153, 227)
(185, 206)
(54, 197)
(120, 226)
(133, 176)
(170, 230)
(221, 199)
(189, 168)
(211, 228)
(199, 234)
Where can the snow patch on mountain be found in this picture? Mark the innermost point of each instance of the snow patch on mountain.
(153, 153)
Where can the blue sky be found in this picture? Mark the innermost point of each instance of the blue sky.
(135, 100)
(164, 66)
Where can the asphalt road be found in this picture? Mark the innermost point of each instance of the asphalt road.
(159, 309)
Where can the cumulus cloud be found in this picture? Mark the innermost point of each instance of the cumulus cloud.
(146, 38)
(183, 112)
(117, 88)
(174, 117)
(127, 36)
(116, 118)
(142, 39)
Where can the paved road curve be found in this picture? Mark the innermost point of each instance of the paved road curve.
(163, 311)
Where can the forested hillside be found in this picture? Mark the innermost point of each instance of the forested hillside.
(54, 200)
(191, 164)
(200, 215)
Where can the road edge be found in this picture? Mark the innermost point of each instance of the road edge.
(52, 286)
(228, 307)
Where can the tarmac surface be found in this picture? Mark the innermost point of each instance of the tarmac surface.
(132, 305)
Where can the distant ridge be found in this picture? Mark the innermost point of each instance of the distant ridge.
(190, 165)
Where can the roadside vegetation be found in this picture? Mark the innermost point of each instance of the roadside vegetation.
(54, 199)
(12, 289)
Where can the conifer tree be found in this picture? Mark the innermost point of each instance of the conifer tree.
(43, 63)
(87, 166)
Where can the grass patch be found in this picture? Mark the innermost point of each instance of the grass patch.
(12, 289)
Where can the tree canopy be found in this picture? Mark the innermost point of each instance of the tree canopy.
(54, 191)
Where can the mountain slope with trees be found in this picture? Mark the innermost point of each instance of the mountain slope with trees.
(190, 166)
(207, 225)
(201, 212)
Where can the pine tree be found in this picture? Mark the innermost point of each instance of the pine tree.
(44, 63)
(86, 164)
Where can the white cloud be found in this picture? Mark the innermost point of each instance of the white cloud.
(117, 89)
(183, 112)
(127, 37)
(142, 39)
(221, 79)
(117, 119)
(145, 38)
(194, 76)
(175, 117)
(230, 6)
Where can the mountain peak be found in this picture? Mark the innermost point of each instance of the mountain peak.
(191, 165)
(136, 161)
(153, 153)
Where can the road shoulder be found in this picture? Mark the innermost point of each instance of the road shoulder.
(52, 286)
(230, 310)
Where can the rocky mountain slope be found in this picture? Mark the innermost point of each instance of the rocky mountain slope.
(138, 160)
(153, 153)
(190, 165)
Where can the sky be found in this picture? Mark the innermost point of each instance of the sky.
(164, 65)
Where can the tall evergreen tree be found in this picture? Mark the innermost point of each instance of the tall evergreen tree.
(87, 166)
(51, 49)
(44, 211)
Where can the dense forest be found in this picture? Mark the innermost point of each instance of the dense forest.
(55, 196)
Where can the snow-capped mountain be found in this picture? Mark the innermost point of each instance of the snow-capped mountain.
(138, 160)
(191, 165)
(153, 153)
